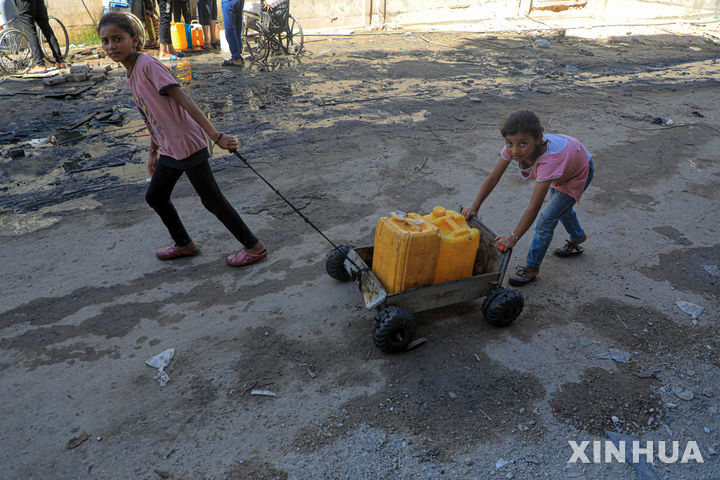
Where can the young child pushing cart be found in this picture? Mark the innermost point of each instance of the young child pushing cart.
(559, 164)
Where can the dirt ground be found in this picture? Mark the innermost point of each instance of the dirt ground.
(355, 128)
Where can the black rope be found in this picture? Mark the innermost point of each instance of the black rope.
(307, 220)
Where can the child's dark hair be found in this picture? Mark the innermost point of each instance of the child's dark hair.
(522, 121)
(120, 20)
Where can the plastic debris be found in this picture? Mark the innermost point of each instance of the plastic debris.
(501, 463)
(713, 270)
(75, 441)
(452, 395)
(642, 467)
(263, 393)
(541, 43)
(617, 355)
(160, 361)
(690, 308)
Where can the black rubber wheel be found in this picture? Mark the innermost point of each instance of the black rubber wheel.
(394, 329)
(62, 38)
(334, 265)
(15, 56)
(292, 38)
(256, 41)
(502, 307)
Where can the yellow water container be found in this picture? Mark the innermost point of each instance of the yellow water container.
(406, 251)
(458, 245)
(178, 36)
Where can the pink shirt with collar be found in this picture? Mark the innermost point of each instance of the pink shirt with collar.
(566, 163)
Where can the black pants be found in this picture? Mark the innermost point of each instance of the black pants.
(202, 179)
(165, 7)
(181, 9)
(207, 11)
(30, 12)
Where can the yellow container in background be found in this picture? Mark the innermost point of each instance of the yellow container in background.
(178, 36)
(406, 252)
(458, 245)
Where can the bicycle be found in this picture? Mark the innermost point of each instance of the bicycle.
(15, 52)
(15, 55)
(271, 28)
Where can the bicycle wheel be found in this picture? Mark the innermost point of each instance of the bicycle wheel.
(256, 41)
(292, 38)
(62, 38)
(15, 55)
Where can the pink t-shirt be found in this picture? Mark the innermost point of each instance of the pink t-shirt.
(175, 132)
(566, 163)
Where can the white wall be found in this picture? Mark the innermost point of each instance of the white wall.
(316, 14)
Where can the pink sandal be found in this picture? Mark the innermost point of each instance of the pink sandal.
(173, 251)
(243, 257)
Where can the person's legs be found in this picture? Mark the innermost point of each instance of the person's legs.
(214, 40)
(158, 197)
(185, 8)
(205, 18)
(41, 18)
(232, 13)
(26, 20)
(177, 10)
(570, 221)
(560, 204)
(166, 47)
(203, 181)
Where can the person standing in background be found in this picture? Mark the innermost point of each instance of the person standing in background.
(207, 15)
(181, 10)
(167, 51)
(232, 15)
(29, 13)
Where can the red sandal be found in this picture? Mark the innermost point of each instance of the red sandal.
(243, 257)
(173, 251)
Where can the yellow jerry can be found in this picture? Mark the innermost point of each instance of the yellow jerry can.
(406, 251)
(458, 245)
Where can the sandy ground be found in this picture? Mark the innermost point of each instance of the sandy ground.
(356, 128)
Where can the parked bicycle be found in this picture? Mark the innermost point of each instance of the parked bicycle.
(270, 27)
(15, 52)
(15, 55)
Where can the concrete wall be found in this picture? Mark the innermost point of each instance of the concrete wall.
(73, 13)
(317, 14)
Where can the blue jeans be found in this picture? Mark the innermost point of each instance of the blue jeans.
(559, 209)
(232, 16)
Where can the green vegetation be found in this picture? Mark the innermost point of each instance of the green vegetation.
(83, 35)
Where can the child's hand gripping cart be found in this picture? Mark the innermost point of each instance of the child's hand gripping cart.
(394, 327)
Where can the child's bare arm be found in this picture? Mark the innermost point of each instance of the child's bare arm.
(531, 213)
(228, 142)
(486, 188)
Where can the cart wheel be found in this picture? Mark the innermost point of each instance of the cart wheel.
(394, 329)
(334, 265)
(502, 306)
